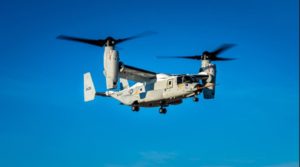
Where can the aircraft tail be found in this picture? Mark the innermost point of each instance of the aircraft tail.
(124, 83)
(89, 89)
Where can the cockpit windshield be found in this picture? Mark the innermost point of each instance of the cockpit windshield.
(185, 79)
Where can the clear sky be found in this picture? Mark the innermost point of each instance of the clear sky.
(253, 121)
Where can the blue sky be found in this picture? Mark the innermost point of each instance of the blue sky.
(254, 120)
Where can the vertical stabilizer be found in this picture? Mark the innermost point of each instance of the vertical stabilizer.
(89, 89)
(124, 83)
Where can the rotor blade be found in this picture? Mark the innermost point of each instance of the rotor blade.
(222, 59)
(221, 49)
(196, 57)
(147, 33)
(83, 40)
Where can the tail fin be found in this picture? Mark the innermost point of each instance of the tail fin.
(89, 89)
(124, 83)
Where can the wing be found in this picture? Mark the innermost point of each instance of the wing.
(201, 75)
(136, 74)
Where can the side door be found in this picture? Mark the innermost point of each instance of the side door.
(168, 91)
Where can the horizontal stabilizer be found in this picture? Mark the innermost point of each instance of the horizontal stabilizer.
(103, 94)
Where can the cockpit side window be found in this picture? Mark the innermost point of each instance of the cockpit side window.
(187, 79)
(179, 80)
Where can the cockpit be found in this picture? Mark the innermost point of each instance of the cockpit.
(185, 79)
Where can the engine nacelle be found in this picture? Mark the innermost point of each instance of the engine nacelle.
(209, 83)
(111, 67)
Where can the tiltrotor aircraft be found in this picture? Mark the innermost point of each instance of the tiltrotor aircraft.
(150, 89)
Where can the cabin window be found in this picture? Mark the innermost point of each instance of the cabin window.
(169, 84)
